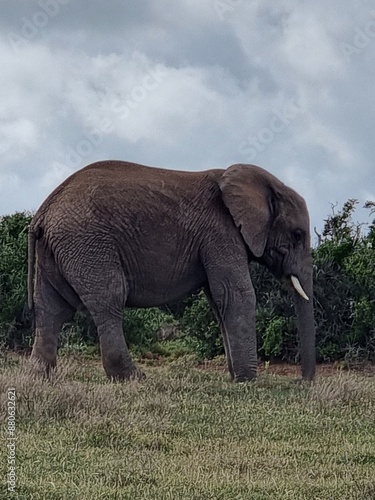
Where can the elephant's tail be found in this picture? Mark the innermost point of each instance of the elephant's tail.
(31, 267)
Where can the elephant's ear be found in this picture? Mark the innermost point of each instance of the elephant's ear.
(246, 193)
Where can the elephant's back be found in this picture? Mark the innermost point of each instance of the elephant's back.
(126, 172)
(121, 176)
(105, 189)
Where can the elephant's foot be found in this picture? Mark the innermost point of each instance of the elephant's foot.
(44, 353)
(244, 377)
(116, 359)
(302, 381)
(41, 366)
(127, 374)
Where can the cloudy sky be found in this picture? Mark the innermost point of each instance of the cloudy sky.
(189, 84)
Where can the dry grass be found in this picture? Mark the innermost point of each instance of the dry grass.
(189, 434)
(344, 388)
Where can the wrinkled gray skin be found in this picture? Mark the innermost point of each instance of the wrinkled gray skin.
(117, 234)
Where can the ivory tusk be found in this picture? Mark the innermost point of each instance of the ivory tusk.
(298, 287)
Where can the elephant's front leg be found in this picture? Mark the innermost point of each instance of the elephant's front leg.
(234, 299)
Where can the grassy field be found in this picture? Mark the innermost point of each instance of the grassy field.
(188, 433)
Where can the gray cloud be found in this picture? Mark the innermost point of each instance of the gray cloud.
(188, 85)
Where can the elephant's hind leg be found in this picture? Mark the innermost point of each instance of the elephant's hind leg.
(116, 358)
(103, 291)
(51, 311)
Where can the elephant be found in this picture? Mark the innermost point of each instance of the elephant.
(118, 234)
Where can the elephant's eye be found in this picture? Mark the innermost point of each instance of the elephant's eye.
(297, 235)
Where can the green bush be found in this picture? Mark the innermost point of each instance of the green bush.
(79, 335)
(275, 331)
(143, 326)
(200, 328)
(14, 321)
(345, 287)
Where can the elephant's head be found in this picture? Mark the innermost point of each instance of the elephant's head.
(274, 223)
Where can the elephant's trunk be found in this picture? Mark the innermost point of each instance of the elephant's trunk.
(306, 328)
